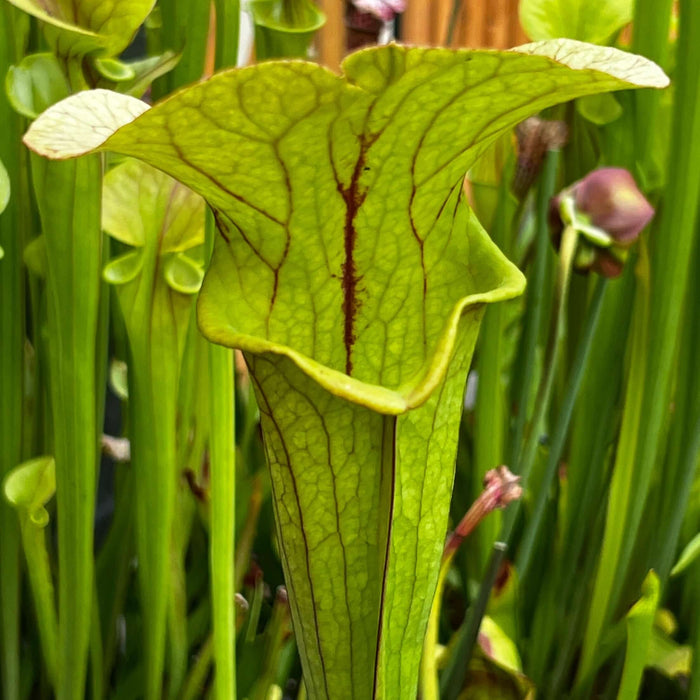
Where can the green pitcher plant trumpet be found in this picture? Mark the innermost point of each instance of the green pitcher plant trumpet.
(351, 272)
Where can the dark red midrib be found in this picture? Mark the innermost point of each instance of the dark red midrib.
(353, 199)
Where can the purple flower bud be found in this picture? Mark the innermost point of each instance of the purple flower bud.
(382, 9)
(609, 212)
(611, 199)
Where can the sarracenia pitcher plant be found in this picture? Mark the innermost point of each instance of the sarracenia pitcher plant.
(352, 274)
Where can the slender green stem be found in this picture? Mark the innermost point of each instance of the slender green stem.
(561, 429)
(223, 482)
(534, 303)
(41, 581)
(197, 677)
(490, 410)
(113, 566)
(222, 442)
(456, 671)
(556, 330)
(177, 607)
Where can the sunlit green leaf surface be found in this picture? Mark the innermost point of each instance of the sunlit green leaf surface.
(353, 275)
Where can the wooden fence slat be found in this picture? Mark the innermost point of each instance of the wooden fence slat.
(416, 23)
(331, 39)
(481, 23)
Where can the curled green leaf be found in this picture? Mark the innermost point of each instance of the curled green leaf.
(284, 28)
(114, 70)
(81, 27)
(30, 486)
(124, 268)
(599, 109)
(182, 274)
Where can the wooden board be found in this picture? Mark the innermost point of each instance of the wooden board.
(479, 24)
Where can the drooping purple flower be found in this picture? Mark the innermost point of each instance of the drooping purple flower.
(612, 200)
(609, 211)
(383, 9)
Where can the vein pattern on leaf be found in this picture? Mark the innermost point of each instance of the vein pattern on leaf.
(345, 239)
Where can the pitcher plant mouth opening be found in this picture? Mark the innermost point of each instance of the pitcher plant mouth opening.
(351, 272)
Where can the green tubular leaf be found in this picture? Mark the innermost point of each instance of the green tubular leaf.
(68, 198)
(586, 20)
(140, 203)
(146, 208)
(280, 36)
(85, 26)
(354, 276)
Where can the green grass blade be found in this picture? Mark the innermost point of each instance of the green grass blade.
(12, 319)
(490, 410)
(622, 480)
(653, 369)
(561, 429)
(535, 302)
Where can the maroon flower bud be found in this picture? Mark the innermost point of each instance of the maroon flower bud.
(608, 211)
(365, 19)
(611, 199)
(382, 9)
